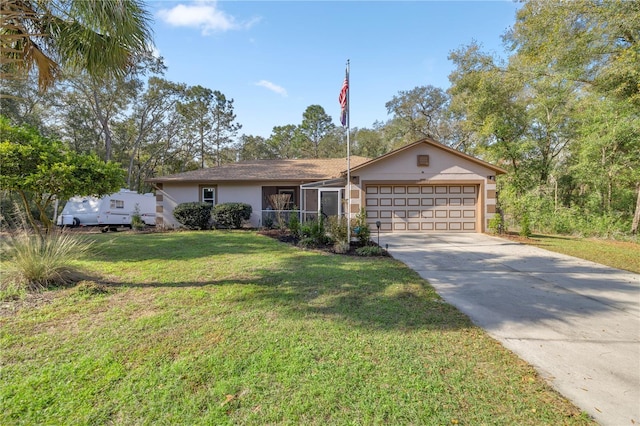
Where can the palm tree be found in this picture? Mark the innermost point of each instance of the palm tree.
(102, 37)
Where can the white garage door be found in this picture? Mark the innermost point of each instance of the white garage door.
(422, 208)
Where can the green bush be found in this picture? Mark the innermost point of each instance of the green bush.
(193, 215)
(231, 215)
(137, 223)
(525, 226)
(38, 262)
(294, 225)
(315, 231)
(361, 228)
(370, 251)
(496, 224)
(337, 228)
(308, 242)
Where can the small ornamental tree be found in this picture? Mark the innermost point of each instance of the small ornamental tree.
(39, 169)
(193, 215)
(231, 215)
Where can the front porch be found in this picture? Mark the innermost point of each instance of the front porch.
(308, 201)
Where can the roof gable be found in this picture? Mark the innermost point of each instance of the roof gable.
(433, 143)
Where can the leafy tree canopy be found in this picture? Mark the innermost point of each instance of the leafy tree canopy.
(40, 169)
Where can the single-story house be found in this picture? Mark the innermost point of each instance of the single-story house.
(422, 187)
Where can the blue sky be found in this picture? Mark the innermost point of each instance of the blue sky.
(275, 58)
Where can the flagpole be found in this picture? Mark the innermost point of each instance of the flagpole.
(348, 159)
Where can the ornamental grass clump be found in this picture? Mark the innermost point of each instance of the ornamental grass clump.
(37, 262)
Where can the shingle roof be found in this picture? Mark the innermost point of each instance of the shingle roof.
(308, 170)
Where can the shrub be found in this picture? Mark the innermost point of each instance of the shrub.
(363, 230)
(496, 224)
(370, 251)
(337, 228)
(315, 231)
(193, 215)
(294, 225)
(136, 220)
(38, 262)
(308, 242)
(341, 247)
(268, 222)
(231, 215)
(525, 226)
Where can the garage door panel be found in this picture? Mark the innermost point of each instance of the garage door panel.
(423, 208)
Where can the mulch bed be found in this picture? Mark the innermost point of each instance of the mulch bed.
(286, 237)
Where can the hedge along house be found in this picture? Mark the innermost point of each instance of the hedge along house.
(422, 187)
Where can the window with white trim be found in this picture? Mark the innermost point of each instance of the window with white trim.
(209, 195)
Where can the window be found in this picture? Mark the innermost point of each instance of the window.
(116, 204)
(209, 195)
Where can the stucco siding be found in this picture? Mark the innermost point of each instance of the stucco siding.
(240, 193)
(442, 166)
(172, 195)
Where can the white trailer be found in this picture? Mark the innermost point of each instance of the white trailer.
(110, 212)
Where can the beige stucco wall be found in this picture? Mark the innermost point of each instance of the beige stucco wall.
(243, 193)
(442, 166)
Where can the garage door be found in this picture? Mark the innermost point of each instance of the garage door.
(422, 208)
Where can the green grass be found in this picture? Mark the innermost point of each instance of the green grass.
(617, 254)
(234, 328)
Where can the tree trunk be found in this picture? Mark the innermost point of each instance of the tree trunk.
(636, 216)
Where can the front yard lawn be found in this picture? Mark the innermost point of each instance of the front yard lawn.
(237, 328)
(617, 254)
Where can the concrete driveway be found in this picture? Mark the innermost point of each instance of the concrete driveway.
(576, 322)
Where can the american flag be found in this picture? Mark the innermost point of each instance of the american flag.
(342, 98)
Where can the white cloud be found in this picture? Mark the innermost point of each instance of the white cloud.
(155, 52)
(273, 87)
(204, 15)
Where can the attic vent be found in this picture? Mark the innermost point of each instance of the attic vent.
(423, 161)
